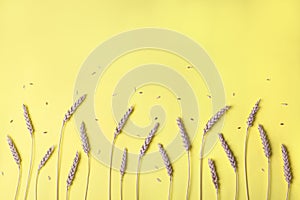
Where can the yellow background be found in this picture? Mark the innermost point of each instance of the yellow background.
(254, 44)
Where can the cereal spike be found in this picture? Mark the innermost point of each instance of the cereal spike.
(122, 122)
(14, 151)
(253, 114)
(215, 119)
(166, 159)
(214, 174)
(265, 141)
(46, 157)
(84, 138)
(184, 136)
(28, 119)
(74, 107)
(73, 170)
(124, 162)
(286, 166)
(228, 152)
(148, 140)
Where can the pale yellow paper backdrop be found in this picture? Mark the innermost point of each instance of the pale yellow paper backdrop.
(254, 45)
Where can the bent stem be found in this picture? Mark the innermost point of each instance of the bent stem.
(189, 174)
(236, 185)
(58, 160)
(110, 167)
(88, 178)
(18, 183)
(36, 183)
(245, 163)
(269, 178)
(137, 178)
(30, 167)
(170, 188)
(201, 164)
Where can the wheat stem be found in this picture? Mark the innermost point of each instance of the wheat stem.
(121, 187)
(245, 162)
(269, 178)
(110, 166)
(58, 160)
(67, 194)
(236, 185)
(201, 164)
(189, 176)
(30, 168)
(36, 183)
(88, 177)
(137, 178)
(170, 188)
(288, 192)
(18, 183)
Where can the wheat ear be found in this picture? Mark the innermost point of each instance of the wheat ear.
(214, 176)
(42, 164)
(268, 152)
(231, 159)
(67, 117)
(168, 165)
(286, 169)
(187, 146)
(72, 173)
(86, 149)
(249, 122)
(122, 171)
(17, 158)
(211, 122)
(143, 150)
(118, 130)
(31, 131)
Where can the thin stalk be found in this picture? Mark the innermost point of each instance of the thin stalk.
(189, 174)
(88, 178)
(269, 178)
(30, 167)
(217, 194)
(170, 188)
(236, 185)
(288, 192)
(36, 183)
(137, 178)
(245, 163)
(110, 167)
(201, 164)
(121, 188)
(67, 194)
(18, 183)
(58, 160)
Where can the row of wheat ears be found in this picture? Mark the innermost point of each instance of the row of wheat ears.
(186, 142)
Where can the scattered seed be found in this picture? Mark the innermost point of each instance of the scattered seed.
(45, 132)
(189, 67)
(156, 167)
(46, 103)
(115, 94)
(2, 173)
(155, 118)
(158, 179)
(158, 97)
(262, 169)
(141, 92)
(233, 94)
(49, 178)
(239, 127)
(11, 121)
(281, 123)
(93, 73)
(99, 151)
(209, 96)
(268, 79)
(179, 98)
(96, 119)
(138, 135)
(24, 86)
(192, 119)
(284, 104)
